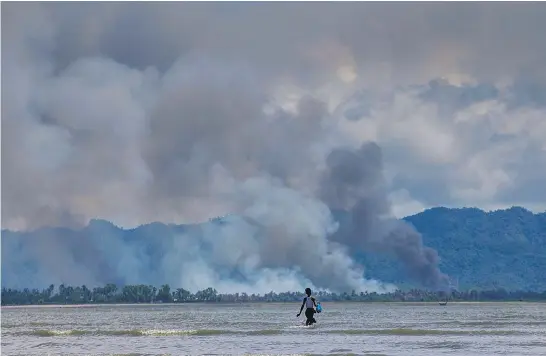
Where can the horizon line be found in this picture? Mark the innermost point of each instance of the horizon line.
(220, 217)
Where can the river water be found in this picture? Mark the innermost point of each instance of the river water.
(342, 328)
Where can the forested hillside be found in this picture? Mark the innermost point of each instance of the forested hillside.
(501, 249)
(486, 250)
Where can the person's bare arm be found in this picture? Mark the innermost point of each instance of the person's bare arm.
(302, 305)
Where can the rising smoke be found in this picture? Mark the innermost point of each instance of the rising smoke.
(138, 113)
(354, 184)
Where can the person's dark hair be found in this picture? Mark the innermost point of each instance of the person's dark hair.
(308, 291)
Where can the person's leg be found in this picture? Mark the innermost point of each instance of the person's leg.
(309, 316)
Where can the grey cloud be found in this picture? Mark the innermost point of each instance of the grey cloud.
(278, 37)
(527, 92)
(451, 98)
(156, 112)
(489, 139)
(354, 183)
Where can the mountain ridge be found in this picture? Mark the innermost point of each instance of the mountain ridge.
(481, 249)
(216, 218)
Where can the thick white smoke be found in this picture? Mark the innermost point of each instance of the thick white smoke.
(135, 146)
(176, 113)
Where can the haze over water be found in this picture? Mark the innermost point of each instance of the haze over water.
(343, 328)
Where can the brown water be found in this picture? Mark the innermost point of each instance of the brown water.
(343, 328)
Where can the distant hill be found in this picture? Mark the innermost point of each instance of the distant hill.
(484, 250)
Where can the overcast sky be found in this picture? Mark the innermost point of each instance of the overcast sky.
(138, 112)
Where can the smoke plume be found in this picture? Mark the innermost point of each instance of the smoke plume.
(354, 184)
(175, 113)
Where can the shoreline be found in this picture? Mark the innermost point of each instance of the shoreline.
(92, 305)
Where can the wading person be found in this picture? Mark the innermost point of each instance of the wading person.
(308, 302)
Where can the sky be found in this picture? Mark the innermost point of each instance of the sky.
(453, 93)
(179, 112)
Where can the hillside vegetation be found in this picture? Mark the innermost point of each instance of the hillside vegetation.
(484, 250)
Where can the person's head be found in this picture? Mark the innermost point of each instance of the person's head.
(308, 291)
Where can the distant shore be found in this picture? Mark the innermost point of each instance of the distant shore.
(209, 304)
(111, 294)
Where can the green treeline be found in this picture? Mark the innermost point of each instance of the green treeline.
(111, 293)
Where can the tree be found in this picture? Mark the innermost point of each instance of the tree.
(164, 294)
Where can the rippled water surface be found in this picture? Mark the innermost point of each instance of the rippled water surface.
(343, 328)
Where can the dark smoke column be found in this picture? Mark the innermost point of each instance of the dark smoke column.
(353, 184)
